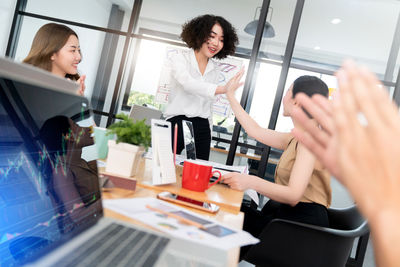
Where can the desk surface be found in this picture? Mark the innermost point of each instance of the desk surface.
(219, 194)
(226, 217)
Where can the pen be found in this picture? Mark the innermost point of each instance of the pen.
(179, 218)
(175, 141)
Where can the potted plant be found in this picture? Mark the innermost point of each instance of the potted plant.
(133, 138)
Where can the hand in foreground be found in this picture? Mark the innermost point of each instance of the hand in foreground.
(362, 153)
(319, 138)
(368, 153)
(237, 181)
(364, 157)
(82, 86)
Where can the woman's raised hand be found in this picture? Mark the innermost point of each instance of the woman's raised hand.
(82, 86)
(234, 83)
(231, 86)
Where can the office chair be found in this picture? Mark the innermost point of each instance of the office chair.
(287, 243)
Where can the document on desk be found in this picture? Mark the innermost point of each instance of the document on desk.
(179, 222)
(163, 160)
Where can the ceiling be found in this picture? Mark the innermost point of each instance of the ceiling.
(365, 32)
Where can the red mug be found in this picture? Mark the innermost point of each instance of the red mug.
(196, 177)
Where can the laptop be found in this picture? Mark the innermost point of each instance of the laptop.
(139, 113)
(51, 210)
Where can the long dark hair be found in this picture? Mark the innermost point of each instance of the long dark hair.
(49, 39)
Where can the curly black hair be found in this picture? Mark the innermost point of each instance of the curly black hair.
(197, 31)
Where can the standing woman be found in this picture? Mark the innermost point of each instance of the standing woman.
(55, 48)
(194, 78)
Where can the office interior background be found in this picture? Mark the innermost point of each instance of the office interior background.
(123, 43)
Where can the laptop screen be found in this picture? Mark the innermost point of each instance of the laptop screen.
(48, 193)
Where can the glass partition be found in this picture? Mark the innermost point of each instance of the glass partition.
(99, 82)
(280, 15)
(112, 14)
(331, 31)
(159, 27)
(267, 71)
(168, 17)
(7, 8)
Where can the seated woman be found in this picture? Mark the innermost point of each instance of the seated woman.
(72, 183)
(55, 48)
(301, 191)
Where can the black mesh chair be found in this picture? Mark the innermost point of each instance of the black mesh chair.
(288, 243)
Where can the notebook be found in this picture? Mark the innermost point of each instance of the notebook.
(51, 210)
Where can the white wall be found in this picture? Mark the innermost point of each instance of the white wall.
(7, 8)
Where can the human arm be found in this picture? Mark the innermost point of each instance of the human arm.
(234, 82)
(266, 136)
(289, 194)
(82, 85)
(317, 135)
(365, 156)
(368, 156)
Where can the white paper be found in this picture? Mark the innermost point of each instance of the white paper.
(221, 167)
(253, 195)
(163, 159)
(215, 235)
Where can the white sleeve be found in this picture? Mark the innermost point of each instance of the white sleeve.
(179, 71)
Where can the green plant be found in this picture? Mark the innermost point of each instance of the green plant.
(127, 131)
(139, 98)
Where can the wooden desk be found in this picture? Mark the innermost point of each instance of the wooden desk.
(228, 199)
(224, 216)
(233, 220)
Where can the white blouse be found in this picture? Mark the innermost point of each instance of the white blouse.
(192, 94)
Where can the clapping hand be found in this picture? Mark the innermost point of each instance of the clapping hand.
(82, 86)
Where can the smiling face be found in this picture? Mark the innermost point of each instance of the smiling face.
(214, 43)
(66, 60)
